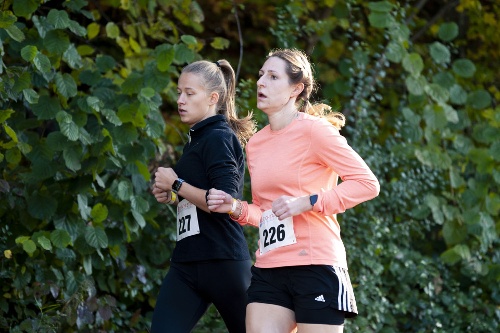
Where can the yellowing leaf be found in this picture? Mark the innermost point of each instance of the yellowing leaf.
(93, 30)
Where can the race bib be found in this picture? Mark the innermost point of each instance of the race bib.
(274, 233)
(187, 220)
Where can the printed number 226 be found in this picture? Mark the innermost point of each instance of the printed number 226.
(184, 224)
(274, 234)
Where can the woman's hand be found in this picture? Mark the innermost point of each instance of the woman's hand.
(164, 178)
(287, 206)
(219, 201)
(161, 195)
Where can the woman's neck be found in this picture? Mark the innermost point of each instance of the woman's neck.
(282, 118)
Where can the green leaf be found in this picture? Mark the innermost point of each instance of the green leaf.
(5, 114)
(29, 52)
(77, 29)
(454, 232)
(96, 237)
(99, 213)
(380, 20)
(437, 93)
(105, 63)
(381, 6)
(25, 8)
(42, 63)
(94, 103)
(220, 43)
(124, 190)
(13, 157)
(139, 204)
(183, 54)
(448, 31)
(395, 52)
(112, 30)
(435, 116)
(45, 243)
(164, 56)
(413, 64)
(450, 113)
(72, 158)
(56, 41)
(111, 116)
(189, 40)
(46, 108)
(495, 151)
(58, 18)
(15, 33)
(66, 85)
(10, 132)
(458, 95)
(439, 53)
(60, 238)
(416, 85)
(72, 57)
(67, 126)
(139, 218)
(87, 265)
(93, 30)
(22, 82)
(29, 247)
(132, 84)
(31, 96)
(479, 99)
(464, 68)
(444, 79)
(455, 254)
(7, 19)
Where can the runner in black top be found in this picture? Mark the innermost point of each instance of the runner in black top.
(211, 261)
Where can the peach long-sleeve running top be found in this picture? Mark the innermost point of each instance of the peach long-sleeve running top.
(308, 156)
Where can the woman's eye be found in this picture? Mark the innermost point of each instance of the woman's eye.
(274, 77)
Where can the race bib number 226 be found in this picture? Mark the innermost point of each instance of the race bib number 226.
(274, 233)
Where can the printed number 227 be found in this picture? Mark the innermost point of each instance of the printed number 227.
(273, 234)
(184, 224)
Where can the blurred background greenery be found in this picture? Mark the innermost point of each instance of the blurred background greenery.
(88, 112)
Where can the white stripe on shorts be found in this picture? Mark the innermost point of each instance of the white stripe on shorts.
(346, 300)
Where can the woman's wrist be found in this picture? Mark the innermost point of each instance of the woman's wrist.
(239, 212)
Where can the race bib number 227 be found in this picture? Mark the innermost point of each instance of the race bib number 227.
(187, 220)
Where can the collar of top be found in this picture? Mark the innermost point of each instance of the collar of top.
(199, 127)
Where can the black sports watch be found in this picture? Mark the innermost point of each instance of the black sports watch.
(176, 186)
(313, 198)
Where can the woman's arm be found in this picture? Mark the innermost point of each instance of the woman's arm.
(165, 177)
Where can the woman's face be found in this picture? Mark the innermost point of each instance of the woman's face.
(273, 87)
(194, 103)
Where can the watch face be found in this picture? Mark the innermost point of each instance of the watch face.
(313, 198)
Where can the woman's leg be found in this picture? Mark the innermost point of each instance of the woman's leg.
(178, 306)
(225, 283)
(319, 328)
(269, 318)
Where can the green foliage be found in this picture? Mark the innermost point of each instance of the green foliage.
(87, 113)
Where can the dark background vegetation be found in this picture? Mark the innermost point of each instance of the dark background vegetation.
(87, 113)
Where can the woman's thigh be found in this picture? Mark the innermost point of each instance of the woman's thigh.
(178, 306)
(269, 318)
(319, 328)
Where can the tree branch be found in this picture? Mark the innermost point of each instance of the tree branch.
(240, 35)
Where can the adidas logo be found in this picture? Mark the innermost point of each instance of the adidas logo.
(303, 253)
(320, 298)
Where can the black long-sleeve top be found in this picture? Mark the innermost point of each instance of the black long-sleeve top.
(213, 159)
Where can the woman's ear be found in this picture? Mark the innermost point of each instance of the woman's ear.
(299, 87)
(214, 98)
